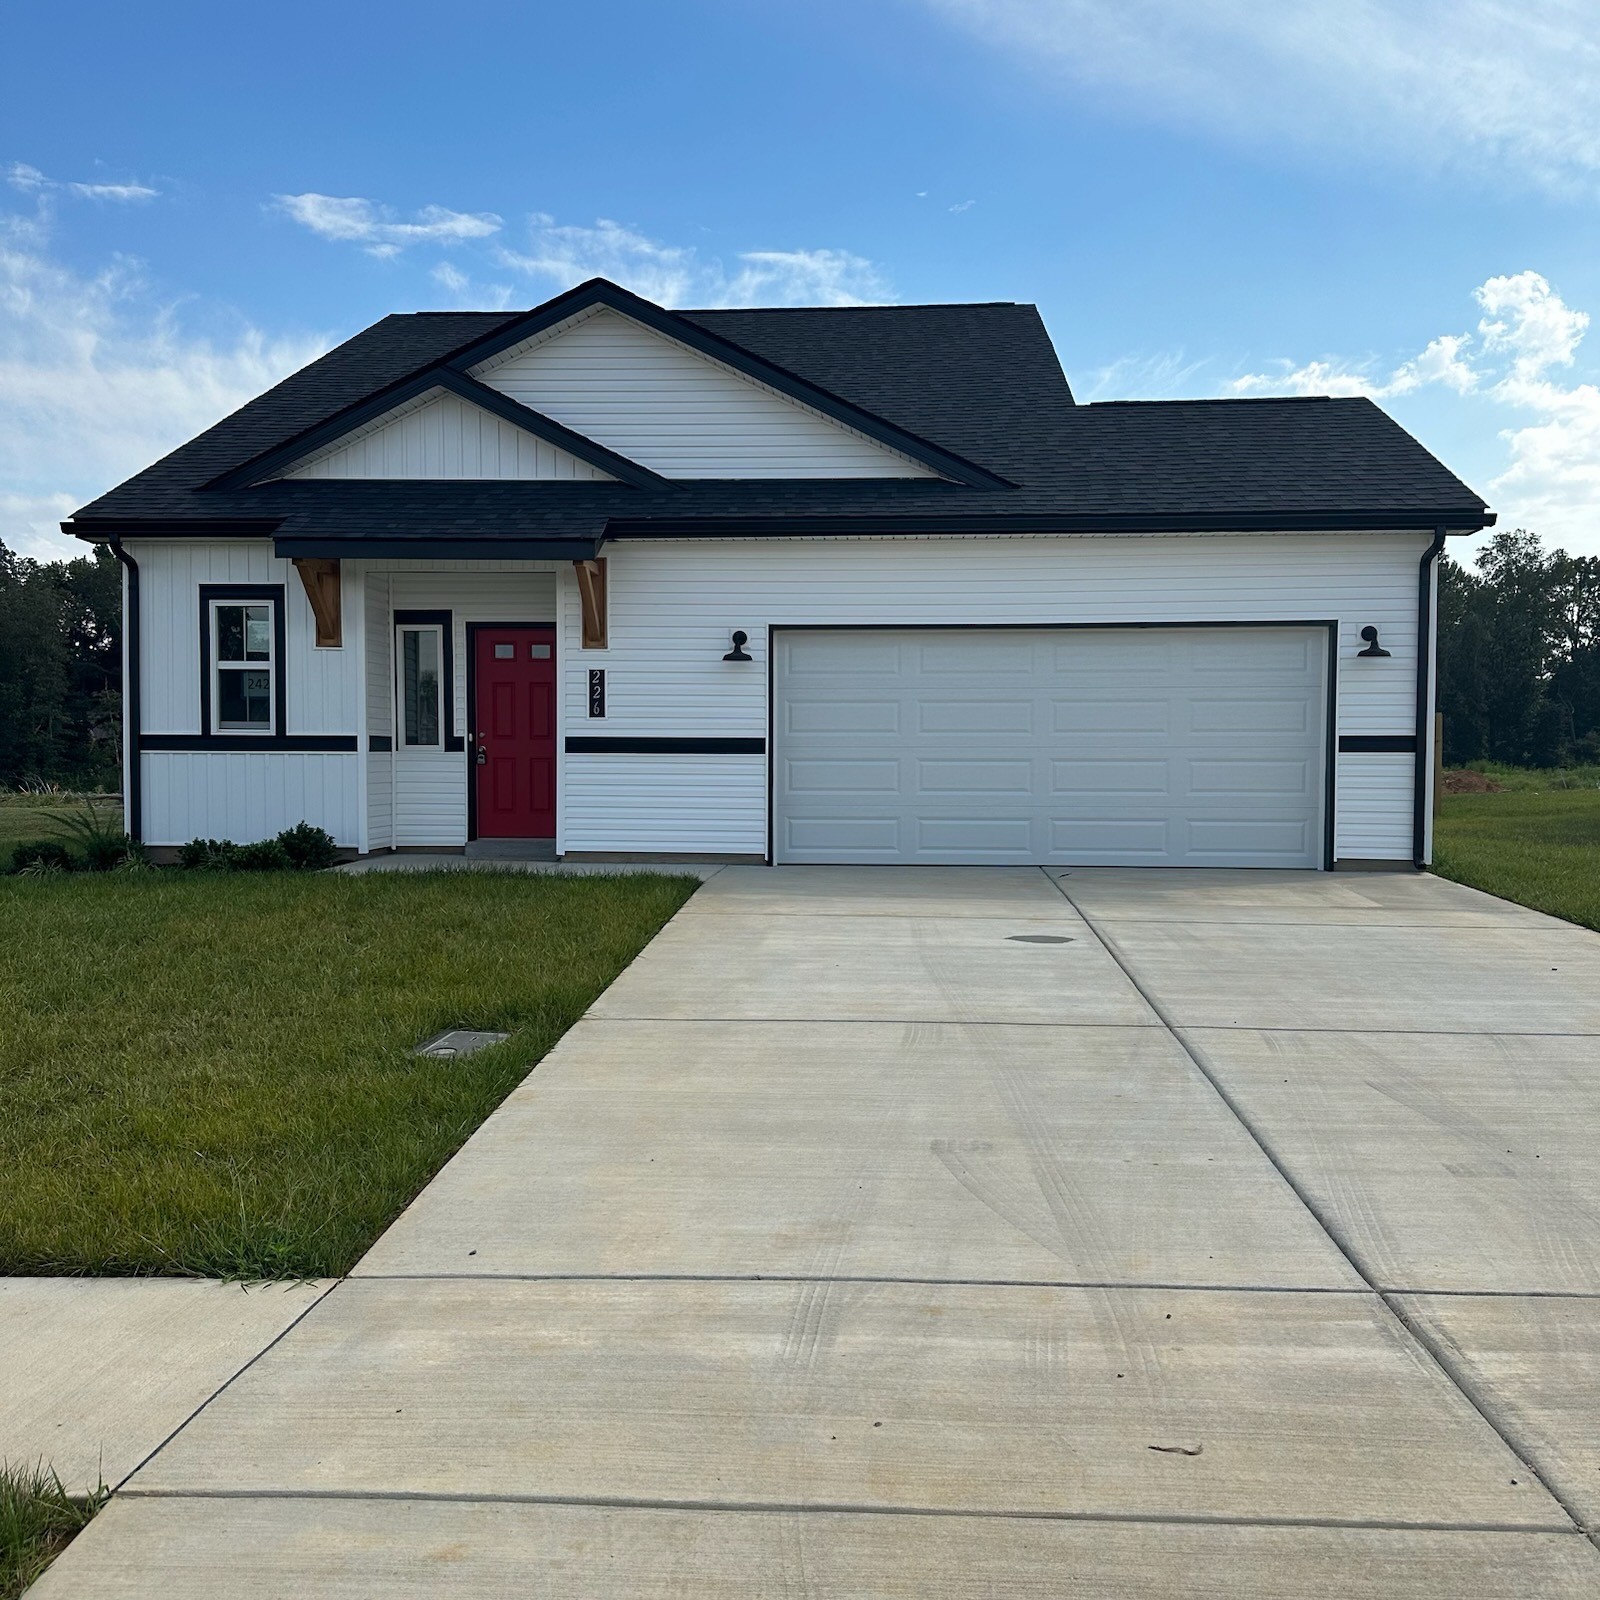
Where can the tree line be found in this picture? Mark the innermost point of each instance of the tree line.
(1519, 655)
(60, 671)
(1519, 662)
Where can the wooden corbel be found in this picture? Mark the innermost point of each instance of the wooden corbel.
(320, 577)
(592, 591)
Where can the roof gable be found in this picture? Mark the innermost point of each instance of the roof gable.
(440, 435)
(677, 410)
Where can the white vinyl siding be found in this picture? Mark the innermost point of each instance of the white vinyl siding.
(441, 436)
(674, 604)
(379, 710)
(249, 795)
(678, 412)
(322, 685)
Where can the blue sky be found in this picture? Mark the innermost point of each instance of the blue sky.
(1395, 197)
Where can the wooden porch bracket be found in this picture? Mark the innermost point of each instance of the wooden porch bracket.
(320, 578)
(592, 591)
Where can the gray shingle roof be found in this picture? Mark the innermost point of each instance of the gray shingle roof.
(979, 381)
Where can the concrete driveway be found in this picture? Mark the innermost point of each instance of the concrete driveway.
(967, 1232)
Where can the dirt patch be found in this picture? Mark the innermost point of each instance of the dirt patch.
(1465, 781)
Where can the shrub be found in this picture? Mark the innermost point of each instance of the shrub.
(266, 855)
(41, 855)
(309, 848)
(111, 851)
(211, 855)
(96, 829)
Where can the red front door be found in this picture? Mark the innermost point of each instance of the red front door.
(514, 722)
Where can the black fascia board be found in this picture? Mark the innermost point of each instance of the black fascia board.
(433, 547)
(602, 292)
(99, 529)
(438, 376)
(1460, 521)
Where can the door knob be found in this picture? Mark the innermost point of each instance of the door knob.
(483, 756)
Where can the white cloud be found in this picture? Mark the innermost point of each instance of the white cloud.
(1526, 335)
(467, 294)
(30, 180)
(1512, 90)
(560, 255)
(352, 220)
(98, 378)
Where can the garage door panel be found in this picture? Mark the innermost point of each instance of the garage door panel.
(1106, 715)
(986, 716)
(1102, 747)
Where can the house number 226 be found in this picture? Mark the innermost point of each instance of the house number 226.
(597, 691)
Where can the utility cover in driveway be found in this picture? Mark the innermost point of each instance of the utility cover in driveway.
(1096, 746)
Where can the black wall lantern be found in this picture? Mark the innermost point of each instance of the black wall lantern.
(1370, 634)
(741, 639)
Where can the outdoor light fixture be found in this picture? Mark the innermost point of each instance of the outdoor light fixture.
(741, 639)
(1370, 634)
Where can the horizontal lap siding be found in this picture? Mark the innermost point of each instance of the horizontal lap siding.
(248, 795)
(445, 437)
(674, 605)
(1375, 806)
(679, 413)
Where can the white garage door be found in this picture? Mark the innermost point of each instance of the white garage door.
(1102, 746)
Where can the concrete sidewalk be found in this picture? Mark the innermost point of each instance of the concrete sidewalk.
(971, 1232)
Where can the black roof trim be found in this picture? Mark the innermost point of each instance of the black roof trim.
(269, 463)
(1461, 520)
(438, 547)
(95, 528)
(602, 292)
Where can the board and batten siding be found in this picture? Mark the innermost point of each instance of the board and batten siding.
(441, 436)
(379, 646)
(430, 786)
(242, 795)
(678, 412)
(673, 606)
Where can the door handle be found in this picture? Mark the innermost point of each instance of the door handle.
(483, 756)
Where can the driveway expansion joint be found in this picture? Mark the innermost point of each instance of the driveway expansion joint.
(1423, 1340)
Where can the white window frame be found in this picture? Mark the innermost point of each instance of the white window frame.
(272, 666)
(400, 741)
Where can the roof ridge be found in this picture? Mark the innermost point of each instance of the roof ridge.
(887, 305)
(1235, 400)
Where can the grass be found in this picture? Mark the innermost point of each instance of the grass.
(38, 1519)
(1536, 842)
(41, 816)
(211, 1073)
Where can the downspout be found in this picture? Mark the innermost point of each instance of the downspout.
(133, 765)
(1425, 644)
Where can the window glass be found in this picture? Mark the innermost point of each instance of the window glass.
(242, 687)
(419, 685)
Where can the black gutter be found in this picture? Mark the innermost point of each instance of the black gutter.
(1456, 520)
(132, 764)
(1425, 647)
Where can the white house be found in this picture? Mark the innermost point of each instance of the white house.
(814, 585)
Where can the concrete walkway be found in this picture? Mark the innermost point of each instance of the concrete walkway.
(970, 1232)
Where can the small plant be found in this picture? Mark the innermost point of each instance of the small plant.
(38, 1517)
(98, 833)
(208, 855)
(310, 848)
(265, 855)
(39, 856)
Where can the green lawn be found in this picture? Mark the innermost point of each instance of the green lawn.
(27, 817)
(211, 1073)
(1537, 842)
(37, 1520)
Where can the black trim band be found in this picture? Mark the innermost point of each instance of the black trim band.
(1419, 781)
(232, 742)
(435, 547)
(134, 821)
(379, 743)
(445, 621)
(1372, 744)
(595, 745)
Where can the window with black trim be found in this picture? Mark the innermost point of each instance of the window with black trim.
(419, 657)
(244, 666)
